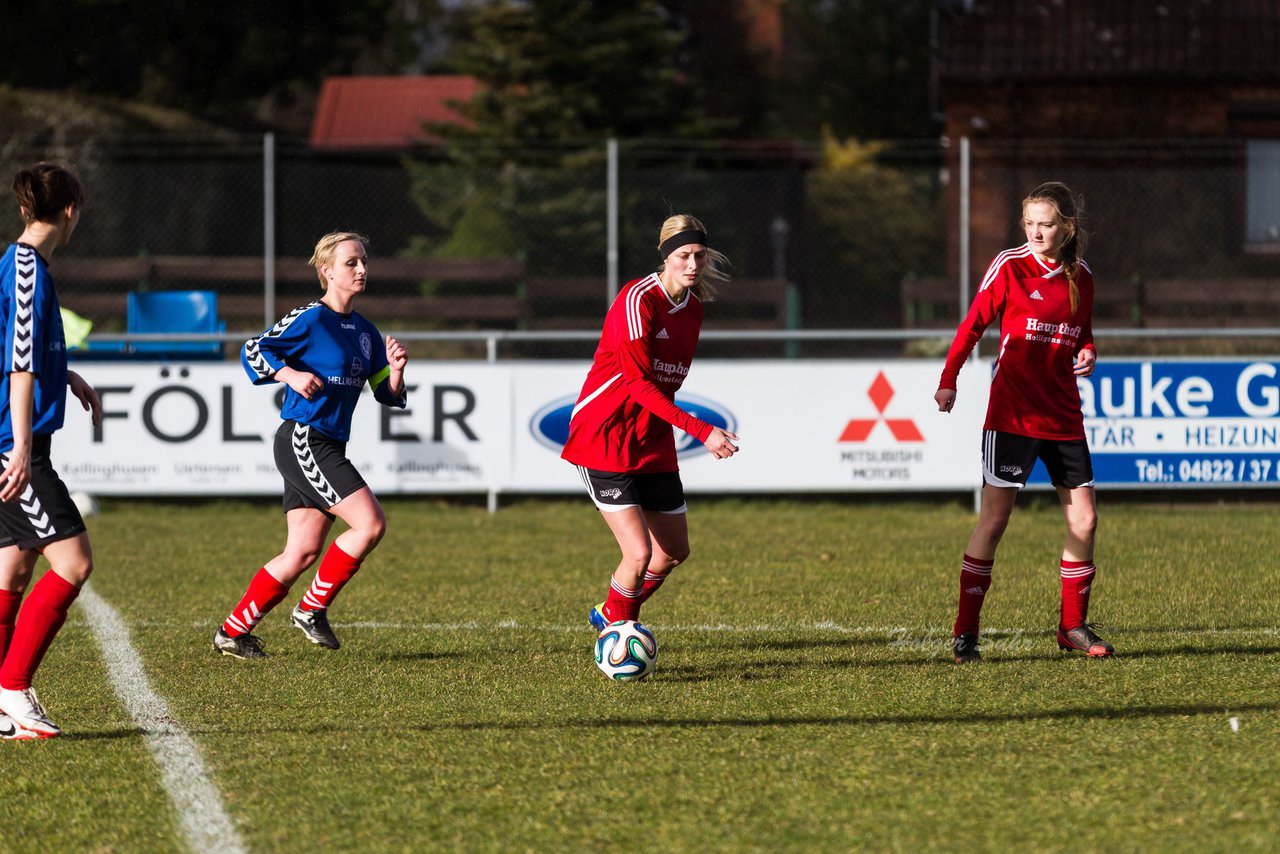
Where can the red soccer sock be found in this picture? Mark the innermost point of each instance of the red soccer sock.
(264, 593)
(652, 581)
(975, 581)
(9, 602)
(1077, 581)
(623, 602)
(38, 622)
(335, 571)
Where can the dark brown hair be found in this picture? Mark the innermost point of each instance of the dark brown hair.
(45, 189)
(1070, 208)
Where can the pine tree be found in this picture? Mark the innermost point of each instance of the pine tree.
(556, 71)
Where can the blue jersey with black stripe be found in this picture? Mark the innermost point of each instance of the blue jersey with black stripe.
(33, 341)
(344, 350)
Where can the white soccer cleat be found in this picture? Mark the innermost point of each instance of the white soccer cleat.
(25, 710)
(9, 731)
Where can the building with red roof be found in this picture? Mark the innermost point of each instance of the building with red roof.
(386, 112)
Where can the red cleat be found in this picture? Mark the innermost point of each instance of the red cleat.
(1082, 639)
(965, 648)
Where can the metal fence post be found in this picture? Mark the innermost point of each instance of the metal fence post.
(964, 266)
(964, 233)
(611, 220)
(778, 231)
(268, 229)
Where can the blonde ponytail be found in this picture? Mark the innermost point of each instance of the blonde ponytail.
(716, 261)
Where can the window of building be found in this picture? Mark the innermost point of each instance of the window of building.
(1262, 190)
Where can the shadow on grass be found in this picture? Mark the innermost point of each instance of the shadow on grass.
(800, 643)
(420, 655)
(1186, 649)
(779, 668)
(101, 735)
(1183, 630)
(1079, 713)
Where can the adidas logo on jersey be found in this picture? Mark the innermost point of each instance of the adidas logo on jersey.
(663, 333)
(1036, 294)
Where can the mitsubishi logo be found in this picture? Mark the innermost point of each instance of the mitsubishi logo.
(903, 429)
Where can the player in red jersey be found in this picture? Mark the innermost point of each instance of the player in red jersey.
(620, 432)
(1043, 293)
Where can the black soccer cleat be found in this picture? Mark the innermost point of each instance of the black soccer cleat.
(315, 625)
(244, 646)
(1083, 639)
(965, 648)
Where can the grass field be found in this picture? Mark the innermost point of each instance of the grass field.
(804, 698)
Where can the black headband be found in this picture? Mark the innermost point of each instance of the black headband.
(684, 238)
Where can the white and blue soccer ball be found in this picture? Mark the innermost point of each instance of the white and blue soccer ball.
(626, 651)
(85, 503)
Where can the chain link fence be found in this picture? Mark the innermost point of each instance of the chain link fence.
(1185, 237)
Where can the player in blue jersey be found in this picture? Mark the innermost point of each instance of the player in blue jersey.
(37, 515)
(325, 353)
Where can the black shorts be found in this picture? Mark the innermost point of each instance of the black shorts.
(1007, 460)
(660, 492)
(44, 513)
(315, 468)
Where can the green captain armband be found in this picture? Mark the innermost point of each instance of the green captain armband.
(376, 379)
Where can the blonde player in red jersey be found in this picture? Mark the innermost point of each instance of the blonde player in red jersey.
(620, 432)
(1043, 292)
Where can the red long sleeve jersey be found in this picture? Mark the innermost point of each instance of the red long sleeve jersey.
(624, 415)
(1033, 387)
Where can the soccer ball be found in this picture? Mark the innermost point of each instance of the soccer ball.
(626, 651)
(85, 503)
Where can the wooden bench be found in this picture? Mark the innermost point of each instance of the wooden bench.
(1210, 302)
(97, 287)
(492, 293)
(182, 269)
(933, 304)
(247, 311)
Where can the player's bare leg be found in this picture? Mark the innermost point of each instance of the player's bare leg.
(307, 529)
(1079, 509)
(669, 546)
(366, 520)
(16, 567)
(993, 519)
(631, 531)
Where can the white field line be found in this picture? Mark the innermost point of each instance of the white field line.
(197, 801)
(577, 628)
(889, 633)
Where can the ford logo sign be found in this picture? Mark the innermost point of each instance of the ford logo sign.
(550, 424)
